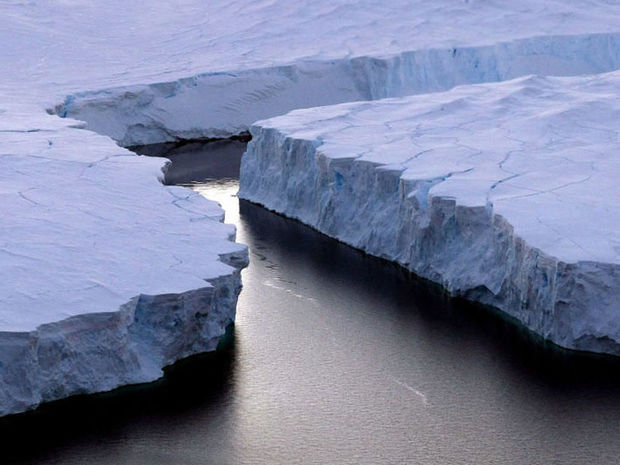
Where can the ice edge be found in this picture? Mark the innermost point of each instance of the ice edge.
(471, 251)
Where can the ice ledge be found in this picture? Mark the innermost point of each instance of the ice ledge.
(221, 104)
(503, 193)
(102, 351)
(107, 275)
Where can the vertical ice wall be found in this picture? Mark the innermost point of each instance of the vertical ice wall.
(222, 104)
(504, 194)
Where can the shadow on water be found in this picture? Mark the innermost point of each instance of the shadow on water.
(197, 161)
(201, 383)
(428, 303)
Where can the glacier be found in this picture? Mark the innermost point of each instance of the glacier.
(505, 194)
(104, 269)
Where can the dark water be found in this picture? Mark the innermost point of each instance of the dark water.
(339, 358)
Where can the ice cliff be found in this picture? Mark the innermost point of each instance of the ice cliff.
(215, 105)
(188, 69)
(504, 194)
(107, 275)
(94, 247)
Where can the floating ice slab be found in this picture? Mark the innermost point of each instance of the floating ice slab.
(505, 194)
(191, 68)
(88, 232)
(106, 275)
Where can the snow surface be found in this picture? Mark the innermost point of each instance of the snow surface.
(98, 216)
(185, 69)
(503, 193)
(88, 231)
(106, 274)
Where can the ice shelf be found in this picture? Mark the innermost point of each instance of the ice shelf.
(93, 247)
(188, 68)
(505, 193)
(106, 274)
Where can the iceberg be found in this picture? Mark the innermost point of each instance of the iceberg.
(216, 105)
(107, 275)
(104, 268)
(186, 70)
(505, 194)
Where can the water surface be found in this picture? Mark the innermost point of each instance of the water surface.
(337, 357)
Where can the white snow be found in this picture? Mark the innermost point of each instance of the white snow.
(185, 69)
(503, 193)
(106, 275)
(88, 231)
(97, 216)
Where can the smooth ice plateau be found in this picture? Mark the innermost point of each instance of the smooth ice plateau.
(105, 272)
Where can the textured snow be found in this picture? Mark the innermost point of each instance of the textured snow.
(187, 69)
(98, 216)
(503, 193)
(100, 261)
(106, 275)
